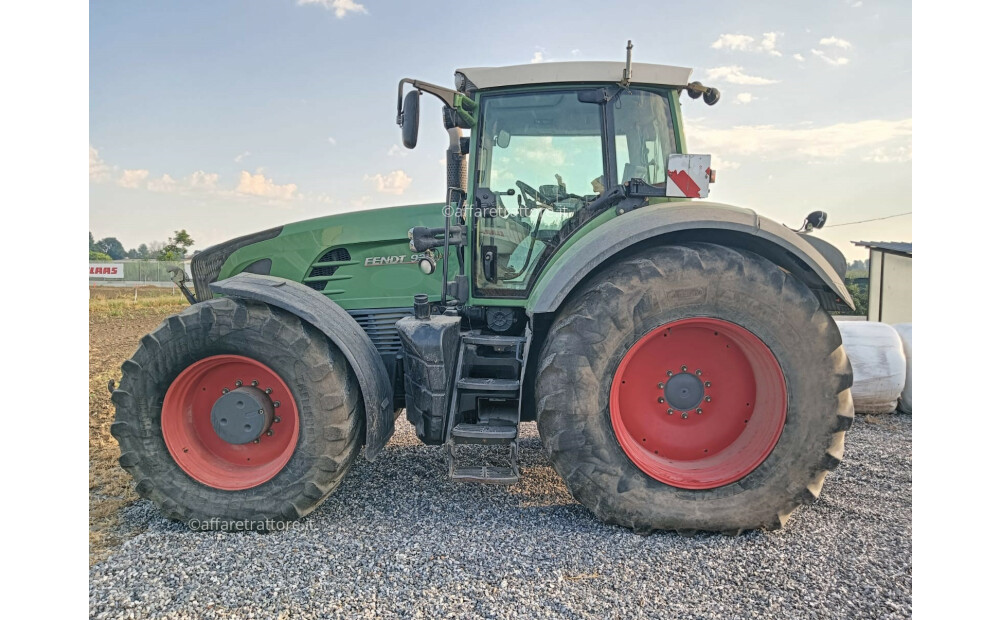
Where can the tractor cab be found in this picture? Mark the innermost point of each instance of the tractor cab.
(552, 147)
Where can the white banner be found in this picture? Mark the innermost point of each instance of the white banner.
(107, 270)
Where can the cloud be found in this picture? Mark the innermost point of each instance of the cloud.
(739, 42)
(835, 42)
(769, 43)
(259, 185)
(744, 98)
(340, 8)
(397, 151)
(99, 170)
(166, 183)
(574, 52)
(332, 141)
(837, 61)
(734, 75)
(538, 57)
(883, 155)
(798, 57)
(746, 43)
(241, 156)
(133, 179)
(202, 180)
(875, 140)
(395, 182)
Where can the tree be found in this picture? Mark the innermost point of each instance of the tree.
(142, 251)
(112, 247)
(177, 246)
(91, 242)
(133, 253)
(860, 297)
(98, 256)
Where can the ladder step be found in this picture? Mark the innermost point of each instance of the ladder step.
(487, 475)
(492, 340)
(488, 385)
(483, 433)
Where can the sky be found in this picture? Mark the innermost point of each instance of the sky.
(225, 117)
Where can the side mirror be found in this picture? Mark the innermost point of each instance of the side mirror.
(411, 118)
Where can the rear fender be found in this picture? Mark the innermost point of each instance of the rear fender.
(316, 309)
(678, 222)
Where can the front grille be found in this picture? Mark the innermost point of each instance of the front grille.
(325, 267)
(380, 325)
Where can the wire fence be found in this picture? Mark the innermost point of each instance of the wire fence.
(133, 273)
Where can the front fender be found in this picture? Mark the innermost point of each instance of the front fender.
(691, 221)
(314, 308)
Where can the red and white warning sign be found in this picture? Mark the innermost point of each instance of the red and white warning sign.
(107, 270)
(688, 176)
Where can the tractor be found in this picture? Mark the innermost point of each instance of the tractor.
(678, 356)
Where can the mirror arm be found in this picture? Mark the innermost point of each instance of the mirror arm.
(464, 106)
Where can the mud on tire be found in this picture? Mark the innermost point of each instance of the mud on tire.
(619, 305)
(321, 383)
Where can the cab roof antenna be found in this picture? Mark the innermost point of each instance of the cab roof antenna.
(627, 73)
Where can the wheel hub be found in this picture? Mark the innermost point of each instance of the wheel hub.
(242, 415)
(684, 391)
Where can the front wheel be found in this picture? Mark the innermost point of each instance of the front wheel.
(694, 388)
(236, 414)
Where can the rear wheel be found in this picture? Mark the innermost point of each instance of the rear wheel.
(234, 411)
(693, 388)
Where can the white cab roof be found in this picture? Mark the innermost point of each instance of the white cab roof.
(555, 72)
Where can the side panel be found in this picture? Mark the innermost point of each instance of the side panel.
(764, 236)
(344, 331)
(380, 270)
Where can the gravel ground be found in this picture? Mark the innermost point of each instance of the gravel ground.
(399, 540)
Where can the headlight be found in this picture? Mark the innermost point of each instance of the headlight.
(205, 266)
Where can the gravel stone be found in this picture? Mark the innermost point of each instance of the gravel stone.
(398, 539)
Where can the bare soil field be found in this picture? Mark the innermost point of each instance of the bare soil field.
(116, 325)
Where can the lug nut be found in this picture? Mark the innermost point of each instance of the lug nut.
(256, 440)
(267, 391)
(670, 412)
(225, 390)
(277, 419)
(698, 372)
(254, 383)
(698, 411)
(708, 384)
(670, 373)
(661, 400)
(260, 412)
(708, 399)
(277, 403)
(684, 368)
(684, 415)
(239, 383)
(270, 432)
(660, 385)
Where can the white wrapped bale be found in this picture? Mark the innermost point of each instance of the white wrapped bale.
(905, 331)
(879, 364)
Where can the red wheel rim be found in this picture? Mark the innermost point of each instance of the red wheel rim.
(199, 451)
(691, 439)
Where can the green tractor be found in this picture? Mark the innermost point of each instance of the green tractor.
(678, 355)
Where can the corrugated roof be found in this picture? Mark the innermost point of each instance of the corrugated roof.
(903, 247)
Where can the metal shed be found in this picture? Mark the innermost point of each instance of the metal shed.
(890, 279)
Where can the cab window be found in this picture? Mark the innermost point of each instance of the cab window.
(541, 154)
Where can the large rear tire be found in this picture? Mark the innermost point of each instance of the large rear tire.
(167, 426)
(693, 388)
